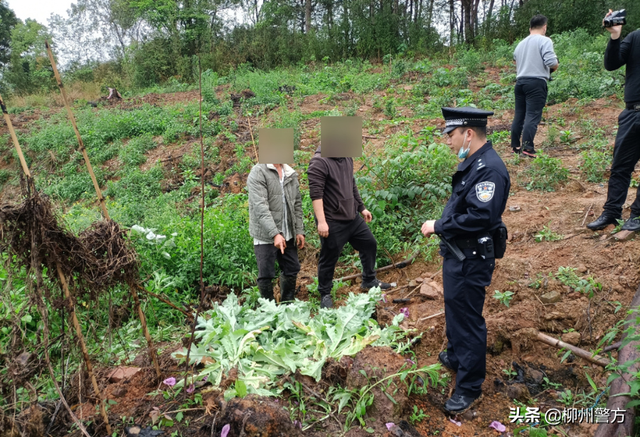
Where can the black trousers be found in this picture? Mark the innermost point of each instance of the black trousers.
(359, 235)
(626, 154)
(268, 254)
(464, 292)
(531, 96)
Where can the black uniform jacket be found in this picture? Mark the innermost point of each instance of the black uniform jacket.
(480, 191)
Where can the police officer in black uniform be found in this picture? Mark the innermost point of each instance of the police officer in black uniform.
(472, 235)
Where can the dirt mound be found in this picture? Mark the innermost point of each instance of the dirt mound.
(256, 417)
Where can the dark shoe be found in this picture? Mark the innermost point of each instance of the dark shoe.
(287, 288)
(530, 153)
(326, 301)
(266, 289)
(376, 283)
(458, 404)
(443, 357)
(633, 224)
(602, 222)
(516, 150)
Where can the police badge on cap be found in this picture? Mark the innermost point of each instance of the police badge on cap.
(464, 117)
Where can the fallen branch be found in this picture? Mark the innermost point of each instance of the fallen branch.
(617, 398)
(585, 216)
(399, 265)
(612, 347)
(595, 359)
(431, 316)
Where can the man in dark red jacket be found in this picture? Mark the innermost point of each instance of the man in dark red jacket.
(336, 204)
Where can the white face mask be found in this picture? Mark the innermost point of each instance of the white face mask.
(462, 153)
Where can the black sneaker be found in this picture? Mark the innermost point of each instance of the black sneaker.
(633, 224)
(602, 222)
(530, 153)
(516, 150)
(326, 301)
(443, 357)
(376, 283)
(458, 404)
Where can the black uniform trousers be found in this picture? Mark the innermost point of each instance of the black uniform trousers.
(359, 235)
(464, 292)
(531, 96)
(268, 254)
(626, 154)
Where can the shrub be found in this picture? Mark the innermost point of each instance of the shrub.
(594, 165)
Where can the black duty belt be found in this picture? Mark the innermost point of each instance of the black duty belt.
(634, 107)
(467, 243)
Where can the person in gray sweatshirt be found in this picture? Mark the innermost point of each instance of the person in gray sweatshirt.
(535, 61)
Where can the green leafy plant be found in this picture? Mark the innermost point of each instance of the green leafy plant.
(503, 297)
(417, 415)
(594, 164)
(546, 234)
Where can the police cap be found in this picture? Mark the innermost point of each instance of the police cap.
(464, 117)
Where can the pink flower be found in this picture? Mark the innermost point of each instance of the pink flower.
(390, 425)
(225, 430)
(169, 381)
(405, 312)
(498, 426)
(191, 388)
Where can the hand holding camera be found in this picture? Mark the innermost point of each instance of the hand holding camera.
(614, 21)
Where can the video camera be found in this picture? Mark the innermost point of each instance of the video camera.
(616, 18)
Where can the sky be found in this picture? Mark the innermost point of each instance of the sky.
(40, 10)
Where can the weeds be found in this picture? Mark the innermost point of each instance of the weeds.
(594, 165)
(546, 234)
(546, 173)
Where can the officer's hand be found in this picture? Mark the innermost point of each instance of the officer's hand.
(280, 242)
(428, 228)
(323, 229)
(300, 241)
(615, 31)
(366, 215)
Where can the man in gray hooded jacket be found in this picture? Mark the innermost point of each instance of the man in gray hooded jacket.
(275, 223)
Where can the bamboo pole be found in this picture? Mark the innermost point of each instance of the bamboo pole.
(103, 205)
(64, 286)
(83, 150)
(12, 132)
(83, 346)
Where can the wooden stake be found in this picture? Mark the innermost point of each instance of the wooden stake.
(595, 359)
(103, 205)
(83, 346)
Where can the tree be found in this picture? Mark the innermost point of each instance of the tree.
(8, 21)
(29, 67)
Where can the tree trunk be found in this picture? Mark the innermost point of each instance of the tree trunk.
(451, 24)
(307, 16)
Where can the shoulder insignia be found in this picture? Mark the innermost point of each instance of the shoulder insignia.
(485, 191)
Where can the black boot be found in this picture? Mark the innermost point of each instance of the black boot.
(287, 288)
(602, 222)
(266, 288)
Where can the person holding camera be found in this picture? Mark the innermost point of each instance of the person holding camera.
(472, 236)
(626, 151)
(535, 61)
